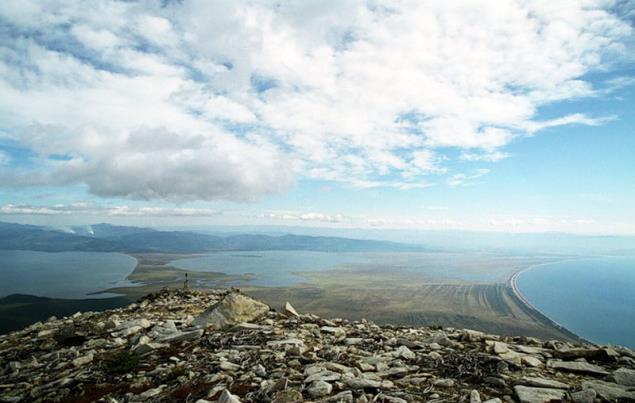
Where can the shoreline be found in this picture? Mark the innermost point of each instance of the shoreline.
(539, 316)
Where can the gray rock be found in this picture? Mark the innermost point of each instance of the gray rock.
(444, 383)
(147, 348)
(286, 342)
(227, 397)
(531, 361)
(150, 393)
(229, 366)
(528, 394)
(609, 391)
(342, 397)
(288, 396)
(394, 372)
(83, 360)
(325, 376)
(542, 382)
(289, 310)
(260, 371)
(495, 381)
(405, 353)
(335, 331)
(231, 310)
(583, 396)
(577, 367)
(390, 399)
(528, 349)
(319, 389)
(435, 356)
(441, 339)
(184, 336)
(361, 383)
(500, 347)
(475, 397)
(624, 376)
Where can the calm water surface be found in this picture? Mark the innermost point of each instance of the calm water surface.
(284, 268)
(70, 275)
(270, 268)
(594, 298)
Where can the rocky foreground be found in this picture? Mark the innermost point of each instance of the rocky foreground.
(194, 346)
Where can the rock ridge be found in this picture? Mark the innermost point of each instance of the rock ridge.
(223, 346)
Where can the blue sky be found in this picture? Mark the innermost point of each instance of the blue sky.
(507, 116)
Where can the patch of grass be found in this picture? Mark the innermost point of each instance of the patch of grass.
(121, 363)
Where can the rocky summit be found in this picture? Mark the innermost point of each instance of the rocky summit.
(222, 346)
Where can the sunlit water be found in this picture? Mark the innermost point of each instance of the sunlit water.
(594, 298)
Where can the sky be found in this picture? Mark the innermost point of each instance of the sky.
(512, 116)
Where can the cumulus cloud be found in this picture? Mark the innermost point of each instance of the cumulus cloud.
(234, 100)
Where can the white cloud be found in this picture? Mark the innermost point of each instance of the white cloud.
(494, 156)
(576, 118)
(306, 216)
(112, 211)
(234, 99)
(467, 179)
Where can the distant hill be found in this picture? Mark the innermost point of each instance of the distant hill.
(111, 238)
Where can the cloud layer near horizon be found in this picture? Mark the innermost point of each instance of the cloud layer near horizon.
(233, 100)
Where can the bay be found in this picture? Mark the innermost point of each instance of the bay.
(69, 275)
(594, 298)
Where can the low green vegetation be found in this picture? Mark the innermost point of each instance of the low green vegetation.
(121, 363)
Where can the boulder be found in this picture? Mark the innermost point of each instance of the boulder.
(624, 376)
(234, 308)
(289, 310)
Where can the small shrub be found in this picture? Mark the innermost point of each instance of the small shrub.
(121, 363)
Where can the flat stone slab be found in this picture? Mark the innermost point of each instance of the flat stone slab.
(578, 367)
(528, 394)
(542, 382)
(609, 391)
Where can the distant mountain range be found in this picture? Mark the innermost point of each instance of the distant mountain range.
(112, 238)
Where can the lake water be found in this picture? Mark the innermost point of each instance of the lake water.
(284, 268)
(71, 275)
(270, 268)
(594, 298)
